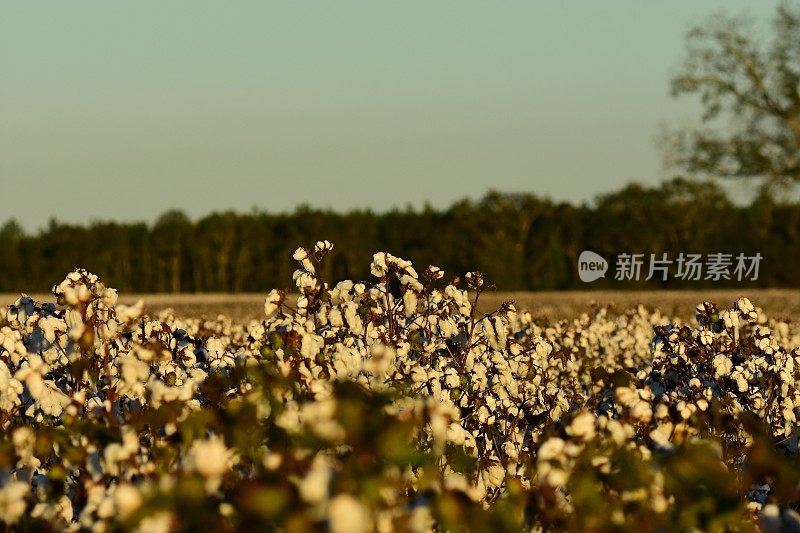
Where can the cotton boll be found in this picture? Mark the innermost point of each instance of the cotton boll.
(706, 337)
(553, 448)
(211, 459)
(272, 303)
(315, 485)
(409, 303)
(722, 366)
(127, 499)
(582, 426)
(126, 314)
(494, 476)
(12, 501)
(347, 515)
(379, 268)
(109, 297)
(300, 254)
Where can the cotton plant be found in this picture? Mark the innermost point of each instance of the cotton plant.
(392, 403)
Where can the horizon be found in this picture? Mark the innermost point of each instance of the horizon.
(726, 188)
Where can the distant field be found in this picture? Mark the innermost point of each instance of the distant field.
(777, 303)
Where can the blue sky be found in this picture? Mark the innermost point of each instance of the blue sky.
(121, 111)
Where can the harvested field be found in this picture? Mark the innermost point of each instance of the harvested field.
(777, 303)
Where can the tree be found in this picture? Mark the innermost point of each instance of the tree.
(11, 232)
(750, 93)
(169, 234)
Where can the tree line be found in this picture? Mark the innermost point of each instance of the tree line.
(519, 242)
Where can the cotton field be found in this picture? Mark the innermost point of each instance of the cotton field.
(394, 405)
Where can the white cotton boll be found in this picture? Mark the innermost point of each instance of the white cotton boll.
(765, 344)
(553, 448)
(127, 499)
(491, 402)
(421, 520)
(315, 485)
(409, 303)
(625, 396)
(83, 293)
(341, 292)
(418, 375)
(434, 272)
(452, 379)
(456, 434)
(729, 318)
(353, 320)
(770, 519)
(347, 515)
(323, 246)
(272, 303)
(686, 410)
(59, 511)
(617, 431)
(543, 348)
(706, 337)
(211, 459)
(129, 313)
(70, 295)
(160, 522)
(109, 297)
(49, 326)
(10, 389)
(510, 449)
(744, 305)
(582, 426)
(133, 370)
(494, 476)
(300, 254)
(722, 366)
(308, 266)
(335, 318)
(378, 268)
(661, 435)
(439, 426)
(12, 501)
(412, 282)
(73, 318)
(311, 345)
(741, 382)
(642, 412)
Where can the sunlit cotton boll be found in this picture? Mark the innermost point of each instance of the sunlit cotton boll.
(315, 485)
(129, 313)
(582, 426)
(347, 515)
(211, 459)
(722, 366)
(323, 246)
(272, 302)
(127, 499)
(378, 268)
(12, 501)
(494, 476)
(706, 337)
(553, 448)
(10, 389)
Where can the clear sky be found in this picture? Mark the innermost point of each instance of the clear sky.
(122, 110)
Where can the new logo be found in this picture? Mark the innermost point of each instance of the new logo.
(591, 266)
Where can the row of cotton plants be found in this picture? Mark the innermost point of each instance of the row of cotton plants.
(393, 405)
